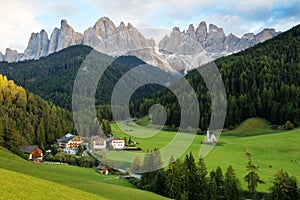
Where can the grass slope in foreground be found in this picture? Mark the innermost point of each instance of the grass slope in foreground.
(272, 151)
(80, 180)
(20, 186)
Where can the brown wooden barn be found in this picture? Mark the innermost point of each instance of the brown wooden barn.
(35, 154)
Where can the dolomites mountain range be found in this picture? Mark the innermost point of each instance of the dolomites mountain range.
(179, 50)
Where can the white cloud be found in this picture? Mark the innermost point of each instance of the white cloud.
(128, 11)
(16, 24)
(283, 25)
(234, 24)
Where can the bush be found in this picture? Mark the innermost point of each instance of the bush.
(289, 125)
(60, 157)
(284, 186)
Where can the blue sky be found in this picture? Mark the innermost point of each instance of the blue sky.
(20, 18)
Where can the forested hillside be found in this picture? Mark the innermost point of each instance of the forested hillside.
(263, 81)
(53, 77)
(27, 119)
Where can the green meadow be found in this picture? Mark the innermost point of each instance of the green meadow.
(16, 185)
(272, 150)
(21, 179)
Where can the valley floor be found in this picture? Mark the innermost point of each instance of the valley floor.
(271, 150)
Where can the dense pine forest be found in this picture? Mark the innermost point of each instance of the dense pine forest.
(52, 77)
(190, 179)
(263, 81)
(26, 119)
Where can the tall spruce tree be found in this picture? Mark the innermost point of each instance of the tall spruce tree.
(191, 177)
(211, 193)
(232, 185)
(12, 136)
(174, 179)
(203, 181)
(252, 178)
(284, 187)
(219, 181)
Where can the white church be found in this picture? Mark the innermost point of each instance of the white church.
(210, 137)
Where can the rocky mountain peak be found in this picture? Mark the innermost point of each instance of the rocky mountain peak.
(38, 45)
(122, 26)
(266, 34)
(11, 55)
(104, 23)
(107, 38)
(64, 37)
(64, 24)
(214, 29)
(191, 29)
(201, 32)
(130, 26)
(176, 29)
(248, 36)
(202, 26)
(103, 19)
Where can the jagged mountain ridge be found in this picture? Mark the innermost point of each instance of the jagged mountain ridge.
(201, 45)
(108, 38)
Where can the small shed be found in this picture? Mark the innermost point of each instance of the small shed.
(35, 153)
(102, 169)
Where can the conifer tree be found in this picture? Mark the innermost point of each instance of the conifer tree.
(211, 193)
(203, 181)
(219, 181)
(232, 185)
(12, 135)
(174, 179)
(284, 187)
(252, 178)
(191, 177)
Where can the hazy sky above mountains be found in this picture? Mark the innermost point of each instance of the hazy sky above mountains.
(20, 18)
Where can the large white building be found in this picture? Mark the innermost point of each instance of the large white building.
(118, 143)
(70, 143)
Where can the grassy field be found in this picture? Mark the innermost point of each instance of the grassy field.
(19, 177)
(20, 186)
(252, 127)
(272, 150)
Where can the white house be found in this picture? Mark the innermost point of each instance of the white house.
(98, 143)
(118, 143)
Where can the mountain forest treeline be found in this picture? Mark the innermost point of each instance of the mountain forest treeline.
(262, 81)
(52, 77)
(26, 119)
(190, 179)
